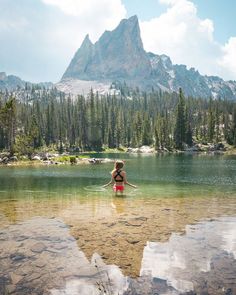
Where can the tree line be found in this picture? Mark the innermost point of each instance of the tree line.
(34, 118)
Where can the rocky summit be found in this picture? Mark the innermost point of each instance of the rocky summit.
(10, 82)
(119, 56)
(14, 83)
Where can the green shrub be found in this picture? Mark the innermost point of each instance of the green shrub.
(72, 160)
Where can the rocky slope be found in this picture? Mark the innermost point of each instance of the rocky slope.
(119, 56)
(11, 82)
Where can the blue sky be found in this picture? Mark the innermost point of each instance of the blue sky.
(221, 12)
(39, 37)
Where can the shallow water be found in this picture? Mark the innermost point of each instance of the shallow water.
(61, 233)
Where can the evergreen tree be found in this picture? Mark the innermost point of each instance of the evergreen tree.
(180, 126)
(8, 122)
(166, 120)
(146, 132)
(211, 122)
(189, 132)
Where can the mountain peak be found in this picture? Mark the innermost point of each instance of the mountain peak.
(3, 76)
(127, 31)
(86, 40)
(77, 67)
(130, 27)
(119, 56)
(131, 20)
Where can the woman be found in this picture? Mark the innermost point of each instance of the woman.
(118, 178)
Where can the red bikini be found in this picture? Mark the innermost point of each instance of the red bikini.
(118, 187)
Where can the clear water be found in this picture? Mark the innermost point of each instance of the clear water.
(191, 197)
(171, 175)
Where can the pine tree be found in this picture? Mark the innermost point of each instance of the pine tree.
(217, 122)
(180, 126)
(211, 122)
(233, 127)
(8, 123)
(189, 132)
(146, 131)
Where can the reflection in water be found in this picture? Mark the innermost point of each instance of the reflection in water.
(205, 254)
(40, 256)
(118, 228)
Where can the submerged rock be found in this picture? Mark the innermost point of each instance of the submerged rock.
(15, 278)
(17, 256)
(38, 247)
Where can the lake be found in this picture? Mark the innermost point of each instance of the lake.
(61, 233)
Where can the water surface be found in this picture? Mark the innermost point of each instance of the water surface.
(172, 234)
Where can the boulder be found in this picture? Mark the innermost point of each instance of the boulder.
(95, 161)
(217, 147)
(36, 158)
(145, 149)
(165, 150)
(194, 148)
(132, 150)
(44, 156)
(13, 159)
(220, 146)
(5, 160)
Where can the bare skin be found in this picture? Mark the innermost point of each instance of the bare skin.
(123, 174)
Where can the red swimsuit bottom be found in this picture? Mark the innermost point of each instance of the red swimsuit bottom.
(117, 188)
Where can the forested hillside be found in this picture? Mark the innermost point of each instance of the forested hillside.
(34, 118)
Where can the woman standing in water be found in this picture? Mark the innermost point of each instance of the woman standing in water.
(118, 178)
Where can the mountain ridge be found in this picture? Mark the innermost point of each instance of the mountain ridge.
(12, 82)
(119, 55)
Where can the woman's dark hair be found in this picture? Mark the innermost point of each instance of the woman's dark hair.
(119, 164)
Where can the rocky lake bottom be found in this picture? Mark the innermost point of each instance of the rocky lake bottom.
(146, 247)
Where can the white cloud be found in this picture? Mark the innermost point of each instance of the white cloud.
(187, 39)
(39, 38)
(78, 18)
(48, 33)
(228, 60)
(93, 16)
(81, 7)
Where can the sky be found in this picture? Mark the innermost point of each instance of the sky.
(38, 38)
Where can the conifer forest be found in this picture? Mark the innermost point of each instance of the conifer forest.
(36, 117)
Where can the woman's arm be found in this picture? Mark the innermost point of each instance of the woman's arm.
(109, 183)
(126, 182)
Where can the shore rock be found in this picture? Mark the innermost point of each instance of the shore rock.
(99, 160)
(194, 149)
(13, 159)
(145, 149)
(36, 158)
(5, 160)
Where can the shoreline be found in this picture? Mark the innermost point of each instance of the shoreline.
(81, 160)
